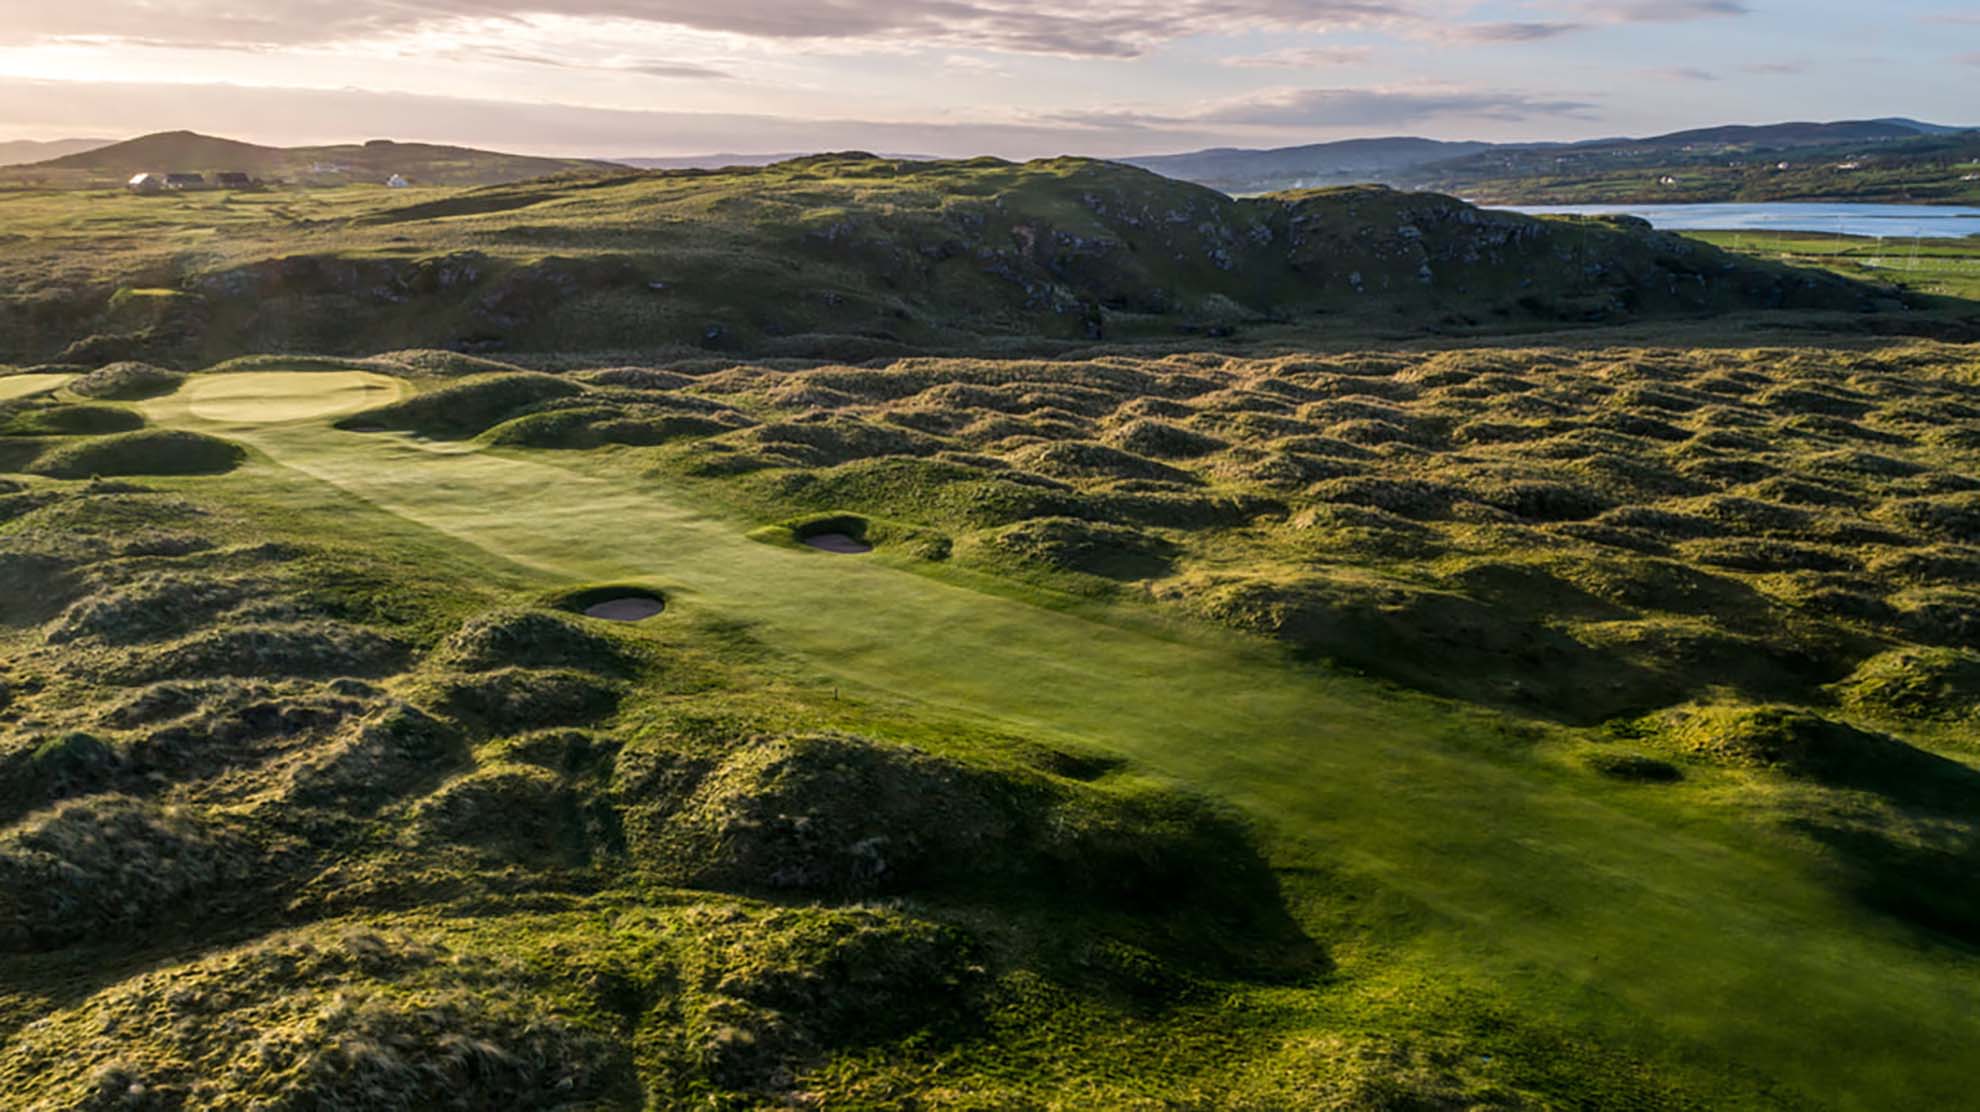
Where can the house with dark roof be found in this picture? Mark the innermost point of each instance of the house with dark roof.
(233, 179)
(185, 181)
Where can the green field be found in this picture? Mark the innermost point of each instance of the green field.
(1939, 267)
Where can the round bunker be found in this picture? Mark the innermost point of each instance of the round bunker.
(615, 604)
(841, 543)
(625, 609)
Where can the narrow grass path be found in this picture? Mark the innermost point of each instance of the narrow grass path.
(1672, 931)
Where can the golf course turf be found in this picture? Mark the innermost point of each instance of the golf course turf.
(1651, 917)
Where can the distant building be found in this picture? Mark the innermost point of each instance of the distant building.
(396, 182)
(185, 181)
(1667, 180)
(146, 183)
(233, 179)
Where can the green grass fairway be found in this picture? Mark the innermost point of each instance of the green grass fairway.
(21, 386)
(1705, 942)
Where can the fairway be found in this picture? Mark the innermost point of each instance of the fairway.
(1663, 929)
(21, 386)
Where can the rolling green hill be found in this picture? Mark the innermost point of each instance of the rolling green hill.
(1729, 164)
(372, 162)
(834, 254)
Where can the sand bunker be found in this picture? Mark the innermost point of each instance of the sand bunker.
(837, 542)
(631, 609)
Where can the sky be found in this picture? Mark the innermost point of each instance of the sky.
(1015, 78)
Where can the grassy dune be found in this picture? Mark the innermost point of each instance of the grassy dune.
(1226, 711)
(1464, 867)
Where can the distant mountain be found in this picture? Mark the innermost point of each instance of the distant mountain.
(1236, 170)
(724, 161)
(374, 161)
(1798, 134)
(1885, 161)
(1459, 166)
(24, 150)
(1924, 128)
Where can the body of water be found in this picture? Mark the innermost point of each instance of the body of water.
(1894, 221)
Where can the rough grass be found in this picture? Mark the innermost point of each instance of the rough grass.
(473, 851)
(125, 382)
(466, 407)
(147, 452)
(1584, 533)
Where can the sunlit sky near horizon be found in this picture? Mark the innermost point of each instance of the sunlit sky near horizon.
(1017, 78)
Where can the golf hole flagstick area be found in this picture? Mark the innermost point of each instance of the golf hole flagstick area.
(1648, 924)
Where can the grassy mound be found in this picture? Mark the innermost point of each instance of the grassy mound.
(467, 407)
(513, 700)
(310, 648)
(151, 607)
(125, 382)
(1091, 548)
(532, 639)
(512, 812)
(1916, 683)
(106, 864)
(343, 1018)
(843, 815)
(68, 420)
(1795, 741)
(148, 452)
(591, 427)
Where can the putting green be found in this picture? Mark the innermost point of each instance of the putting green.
(1661, 929)
(264, 398)
(21, 386)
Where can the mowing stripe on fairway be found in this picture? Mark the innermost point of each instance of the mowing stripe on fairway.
(1654, 925)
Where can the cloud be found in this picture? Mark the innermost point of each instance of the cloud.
(1774, 69)
(1124, 28)
(649, 67)
(1509, 32)
(1342, 108)
(290, 116)
(1968, 59)
(1679, 73)
(1669, 11)
(1305, 57)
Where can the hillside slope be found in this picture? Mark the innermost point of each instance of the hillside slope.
(19, 151)
(1869, 162)
(1724, 163)
(833, 255)
(374, 161)
(1350, 161)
